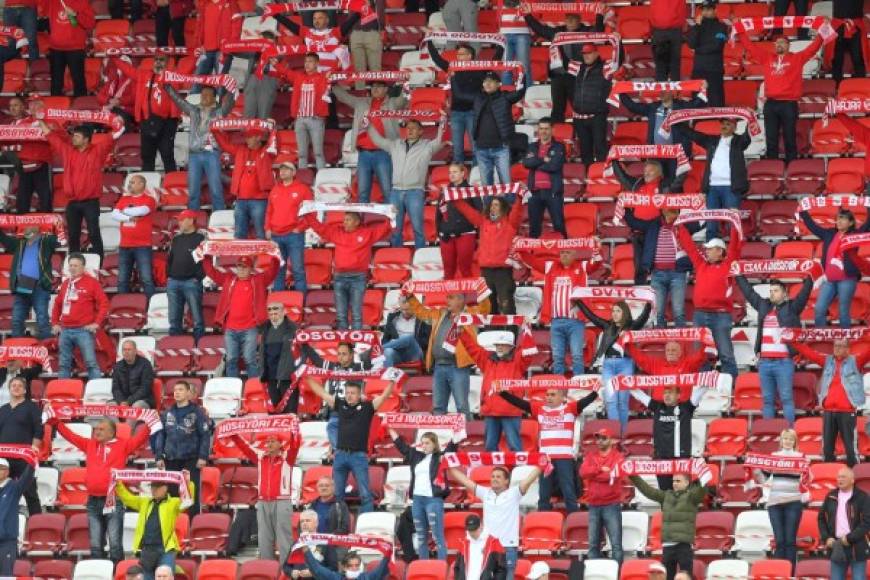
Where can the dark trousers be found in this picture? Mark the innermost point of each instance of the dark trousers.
(89, 211)
(31, 497)
(8, 555)
(38, 180)
(781, 114)
(58, 61)
(637, 239)
(667, 43)
(780, 7)
(844, 425)
(853, 47)
(591, 135)
(544, 199)
(164, 24)
(116, 9)
(164, 142)
(429, 6)
(501, 283)
(677, 555)
(715, 86)
(562, 93)
(277, 389)
(190, 466)
(563, 477)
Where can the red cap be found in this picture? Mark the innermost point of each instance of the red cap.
(589, 49)
(254, 132)
(187, 214)
(604, 432)
(778, 36)
(245, 261)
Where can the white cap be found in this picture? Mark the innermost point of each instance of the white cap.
(716, 243)
(538, 569)
(4, 463)
(503, 338)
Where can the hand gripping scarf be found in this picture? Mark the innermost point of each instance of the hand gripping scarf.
(717, 215)
(464, 37)
(476, 286)
(660, 335)
(277, 425)
(111, 120)
(568, 38)
(389, 374)
(717, 113)
(784, 465)
(477, 459)
(647, 152)
(559, 384)
(382, 209)
(66, 412)
(26, 354)
(623, 87)
(696, 468)
(513, 66)
(20, 453)
(449, 194)
(677, 201)
(227, 82)
(242, 124)
(851, 241)
(763, 23)
(236, 248)
(533, 245)
(787, 268)
(526, 345)
(177, 478)
(353, 541)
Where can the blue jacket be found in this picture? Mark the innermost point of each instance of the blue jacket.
(534, 163)
(650, 229)
(321, 572)
(185, 434)
(10, 495)
(827, 236)
(850, 376)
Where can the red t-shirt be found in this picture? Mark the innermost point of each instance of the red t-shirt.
(212, 26)
(136, 233)
(249, 186)
(837, 400)
(241, 313)
(363, 141)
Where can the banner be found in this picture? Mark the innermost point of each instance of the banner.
(787, 268)
(19, 453)
(236, 248)
(454, 422)
(177, 478)
(675, 201)
(707, 379)
(647, 152)
(716, 113)
(147, 51)
(26, 354)
(382, 209)
(277, 425)
(476, 286)
(763, 23)
(623, 87)
(843, 106)
(21, 133)
(717, 215)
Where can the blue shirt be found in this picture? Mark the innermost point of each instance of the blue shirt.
(29, 264)
(661, 113)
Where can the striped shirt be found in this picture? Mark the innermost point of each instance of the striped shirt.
(772, 345)
(327, 44)
(307, 95)
(556, 434)
(666, 249)
(557, 289)
(510, 21)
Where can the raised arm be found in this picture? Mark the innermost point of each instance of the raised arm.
(246, 449)
(472, 215)
(688, 245)
(591, 316)
(643, 487)
(811, 49)
(533, 475)
(697, 395)
(317, 388)
(814, 227)
(381, 399)
(586, 401)
(632, 105)
(474, 350)
(808, 353)
(539, 28)
(463, 479)
(642, 319)
(180, 102)
(220, 278)
(515, 217)
(800, 301)
(378, 139)
(516, 401)
(625, 180)
(439, 60)
(749, 292)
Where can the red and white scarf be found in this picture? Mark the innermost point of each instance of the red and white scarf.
(779, 464)
(641, 293)
(791, 267)
(278, 425)
(465, 37)
(146, 51)
(67, 412)
(525, 347)
(236, 248)
(17, 34)
(421, 115)
(476, 286)
(618, 152)
(622, 87)
(42, 220)
(844, 106)
(19, 452)
(474, 459)
(851, 241)
(533, 245)
(449, 193)
(352, 541)
(580, 8)
(559, 384)
(660, 335)
(717, 113)
(824, 334)
(713, 215)
(246, 46)
(568, 38)
(707, 379)
(26, 354)
(242, 124)
(389, 374)
(383, 76)
(677, 201)
(217, 81)
(21, 133)
(363, 7)
(455, 422)
(111, 120)
(177, 478)
(763, 23)
(363, 340)
(382, 209)
(512, 66)
(696, 468)
(847, 201)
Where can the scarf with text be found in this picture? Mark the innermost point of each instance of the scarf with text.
(717, 113)
(848, 201)
(465, 37)
(696, 468)
(844, 106)
(454, 422)
(791, 267)
(363, 340)
(852, 241)
(475, 286)
(624, 87)
(42, 220)
(568, 38)
(765, 23)
(236, 248)
(383, 76)
(661, 335)
(27, 354)
(21, 133)
(532, 245)
(105, 118)
(351, 541)
(242, 124)
(177, 478)
(474, 459)
(513, 66)
(67, 412)
(388, 374)
(449, 194)
(782, 465)
(225, 81)
(421, 115)
(825, 334)
(618, 152)
(559, 384)
(363, 7)
(382, 209)
(707, 380)
(677, 201)
(146, 51)
(277, 425)
(581, 8)
(641, 293)
(19, 452)
(249, 45)
(730, 216)
(525, 346)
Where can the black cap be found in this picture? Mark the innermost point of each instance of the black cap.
(709, 4)
(491, 74)
(472, 522)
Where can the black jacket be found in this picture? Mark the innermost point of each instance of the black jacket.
(648, 111)
(788, 313)
(286, 363)
(650, 229)
(858, 510)
(610, 331)
(848, 9)
(421, 331)
(450, 223)
(591, 89)
(736, 158)
(131, 383)
(630, 183)
(569, 52)
(534, 163)
(501, 103)
(461, 83)
(708, 39)
(827, 236)
(414, 456)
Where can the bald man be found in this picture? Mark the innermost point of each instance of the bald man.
(844, 521)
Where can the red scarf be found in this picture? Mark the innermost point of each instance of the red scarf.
(618, 152)
(762, 23)
(66, 412)
(778, 268)
(717, 215)
(19, 452)
(454, 422)
(695, 468)
(476, 459)
(538, 244)
(237, 248)
(388, 374)
(26, 354)
(824, 334)
(707, 379)
(476, 191)
(568, 38)
(111, 120)
(179, 478)
(278, 425)
(677, 201)
(475, 286)
(684, 115)
(779, 464)
(559, 384)
(683, 335)
(622, 87)
(853, 241)
(217, 81)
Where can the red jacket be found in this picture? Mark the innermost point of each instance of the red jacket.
(227, 27)
(89, 305)
(65, 36)
(496, 238)
(102, 458)
(713, 283)
(493, 405)
(353, 250)
(117, 85)
(282, 211)
(493, 558)
(82, 170)
(576, 271)
(783, 75)
(653, 365)
(261, 282)
(243, 155)
(274, 472)
(600, 488)
(667, 14)
(161, 104)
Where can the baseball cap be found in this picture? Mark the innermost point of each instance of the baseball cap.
(538, 570)
(709, 4)
(254, 132)
(4, 464)
(187, 214)
(472, 522)
(503, 337)
(604, 432)
(245, 261)
(288, 164)
(589, 49)
(716, 243)
(492, 75)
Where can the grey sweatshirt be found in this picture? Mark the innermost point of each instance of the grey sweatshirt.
(361, 109)
(201, 118)
(410, 161)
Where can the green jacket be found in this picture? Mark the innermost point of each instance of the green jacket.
(679, 509)
(169, 510)
(47, 245)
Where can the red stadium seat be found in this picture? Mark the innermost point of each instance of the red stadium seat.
(259, 570)
(77, 536)
(766, 178)
(217, 570)
(731, 491)
(854, 88)
(815, 568)
(637, 438)
(318, 267)
(633, 23)
(777, 218)
(623, 264)
(127, 312)
(43, 535)
(174, 355)
(581, 219)
(714, 532)
(830, 139)
(587, 439)
(64, 391)
(238, 487)
(807, 535)
(53, 569)
(208, 534)
(726, 438)
(320, 308)
(770, 570)
(211, 349)
(764, 434)
(805, 176)
(427, 570)
(71, 491)
(390, 266)
(845, 176)
(309, 481)
(542, 532)
(209, 482)
(576, 532)
(454, 528)
(824, 478)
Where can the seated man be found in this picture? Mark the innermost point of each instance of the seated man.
(405, 337)
(132, 379)
(351, 567)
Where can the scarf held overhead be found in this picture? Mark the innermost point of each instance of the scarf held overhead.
(391, 374)
(765, 23)
(363, 340)
(279, 425)
(236, 248)
(625, 87)
(19, 452)
(454, 422)
(42, 220)
(465, 37)
(539, 244)
(177, 478)
(569, 38)
(27, 354)
(843, 106)
(707, 379)
(717, 113)
(716, 215)
(466, 286)
(676, 201)
(696, 468)
(558, 384)
(449, 194)
(663, 335)
(793, 267)
(474, 459)
(105, 118)
(825, 334)
(67, 412)
(217, 81)
(381, 209)
(618, 152)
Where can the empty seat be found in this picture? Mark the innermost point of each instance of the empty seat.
(222, 396)
(208, 534)
(752, 532)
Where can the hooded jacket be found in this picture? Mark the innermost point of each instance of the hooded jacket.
(736, 158)
(226, 280)
(450, 223)
(496, 238)
(185, 434)
(600, 487)
(679, 509)
(494, 567)
(133, 382)
(242, 154)
(513, 366)
(168, 511)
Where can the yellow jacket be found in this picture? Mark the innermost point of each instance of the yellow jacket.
(169, 510)
(435, 316)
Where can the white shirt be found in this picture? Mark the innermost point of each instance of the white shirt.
(4, 393)
(501, 514)
(475, 556)
(405, 326)
(422, 483)
(720, 166)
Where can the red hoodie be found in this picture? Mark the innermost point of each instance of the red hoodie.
(243, 156)
(601, 489)
(85, 303)
(216, 23)
(65, 36)
(226, 280)
(282, 211)
(667, 14)
(653, 365)
(161, 104)
(308, 91)
(491, 404)
(713, 282)
(496, 238)
(117, 86)
(82, 170)
(102, 458)
(353, 250)
(783, 74)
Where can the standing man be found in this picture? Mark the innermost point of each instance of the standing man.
(850, 37)
(590, 106)
(844, 522)
(32, 159)
(133, 379)
(135, 211)
(457, 237)
(544, 162)
(11, 490)
(783, 87)
(286, 228)
(21, 424)
(354, 427)
(603, 494)
(70, 23)
(30, 278)
(308, 108)
(79, 310)
(460, 15)
(366, 44)
(707, 36)
(184, 284)
(276, 356)
(674, 363)
(667, 20)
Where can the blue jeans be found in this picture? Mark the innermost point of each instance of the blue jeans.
(208, 162)
(563, 476)
(428, 514)
(373, 162)
(495, 426)
(142, 257)
(179, 292)
(208, 64)
(461, 122)
(84, 339)
(356, 462)
(617, 403)
(843, 290)
(662, 282)
(838, 571)
(24, 18)
(332, 430)
(167, 559)
(244, 341)
(720, 197)
(519, 47)
(776, 376)
(292, 248)
(411, 201)
(349, 289)
(785, 519)
(609, 516)
(491, 159)
(719, 324)
(100, 525)
(510, 556)
(402, 350)
(447, 379)
(247, 212)
(21, 305)
(567, 332)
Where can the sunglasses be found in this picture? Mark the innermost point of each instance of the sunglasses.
(274, 308)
